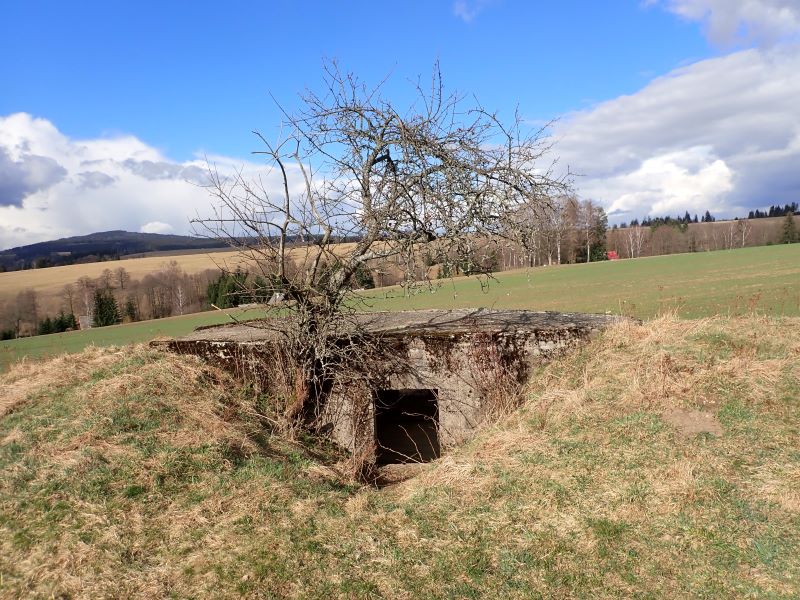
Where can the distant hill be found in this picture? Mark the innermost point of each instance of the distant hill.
(106, 245)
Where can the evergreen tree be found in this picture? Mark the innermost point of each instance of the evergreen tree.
(790, 234)
(46, 326)
(60, 323)
(228, 290)
(599, 229)
(106, 311)
(131, 311)
(363, 277)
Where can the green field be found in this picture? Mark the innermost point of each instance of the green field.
(116, 335)
(764, 280)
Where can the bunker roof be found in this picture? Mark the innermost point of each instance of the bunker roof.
(423, 322)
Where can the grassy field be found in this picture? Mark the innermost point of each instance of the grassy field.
(48, 283)
(116, 335)
(763, 280)
(139, 474)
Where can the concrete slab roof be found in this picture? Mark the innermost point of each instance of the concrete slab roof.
(421, 322)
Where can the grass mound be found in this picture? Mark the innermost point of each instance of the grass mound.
(660, 460)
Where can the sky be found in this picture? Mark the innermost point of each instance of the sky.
(109, 111)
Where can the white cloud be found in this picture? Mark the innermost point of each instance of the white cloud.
(156, 227)
(722, 134)
(729, 21)
(95, 179)
(27, 174)
(670, 184)
(53, 186)
(467, 10)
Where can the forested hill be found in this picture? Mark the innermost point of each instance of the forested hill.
(97, 246)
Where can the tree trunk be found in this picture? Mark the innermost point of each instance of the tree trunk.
(588, 248)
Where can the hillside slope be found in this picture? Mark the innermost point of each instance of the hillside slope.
(660, 461)
(108, 244)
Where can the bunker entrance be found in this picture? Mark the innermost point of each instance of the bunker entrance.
(406, 426)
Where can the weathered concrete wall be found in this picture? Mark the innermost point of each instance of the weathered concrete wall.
(464, 368)
(468, 356)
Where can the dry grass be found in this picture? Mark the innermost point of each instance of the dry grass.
(137, 474)
(49, 282)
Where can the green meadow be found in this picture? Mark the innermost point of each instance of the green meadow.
(115, 335)
(761, 281)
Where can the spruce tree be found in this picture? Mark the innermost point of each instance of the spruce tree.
(46, 326)
(106, 311)
(789, 230)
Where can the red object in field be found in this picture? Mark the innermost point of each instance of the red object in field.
(612, 255)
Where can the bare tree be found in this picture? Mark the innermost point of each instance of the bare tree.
(106, 279)
(441, 176)
(635, 237)
(86, 289)
(27, 312)
(68, 297)
(743, 229)
(122, 277)
(560, 223)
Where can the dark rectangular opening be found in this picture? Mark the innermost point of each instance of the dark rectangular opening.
(406, 426)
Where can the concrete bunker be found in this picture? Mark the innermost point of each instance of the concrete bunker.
(436, 375)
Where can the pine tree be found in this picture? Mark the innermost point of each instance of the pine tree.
(599, 229)
(106, 311)
(46, 326)
(790, 234)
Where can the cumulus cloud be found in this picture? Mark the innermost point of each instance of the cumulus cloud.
(722, 134)
(95, 179)
(156, 227)
(27, 174)
(165, 170)
(730, 21)
(53, 186)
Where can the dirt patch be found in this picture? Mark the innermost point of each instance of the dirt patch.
(692, 422)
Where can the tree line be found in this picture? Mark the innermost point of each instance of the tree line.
(775, 211)
(569, 230)
(113, 297)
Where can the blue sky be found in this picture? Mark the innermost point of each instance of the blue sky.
(102, 83)
(188, 77)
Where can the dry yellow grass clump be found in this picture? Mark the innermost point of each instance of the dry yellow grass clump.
(660, 461)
